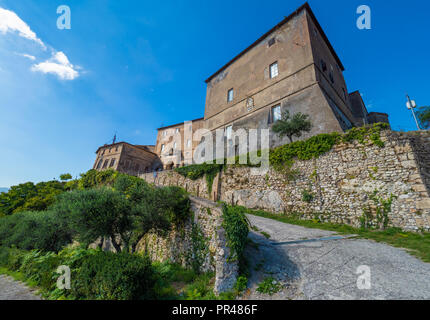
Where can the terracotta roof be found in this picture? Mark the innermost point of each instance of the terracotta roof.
(312, 15)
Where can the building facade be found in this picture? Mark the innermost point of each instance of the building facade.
(127, 158)
(293, 67)
(176, 143)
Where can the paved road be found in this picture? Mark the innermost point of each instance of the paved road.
(319, 265)
(14, 290)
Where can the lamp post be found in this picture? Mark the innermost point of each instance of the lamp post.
(411, 105)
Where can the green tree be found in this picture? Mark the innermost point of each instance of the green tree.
(66, 177)
(292, 126)
(423, 114)
(95, 214)
(42, 230)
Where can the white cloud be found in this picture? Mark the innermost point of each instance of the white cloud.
(10, 22)
(59, 65)
(29, 56)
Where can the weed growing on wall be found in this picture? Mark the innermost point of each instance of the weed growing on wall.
(235, 225)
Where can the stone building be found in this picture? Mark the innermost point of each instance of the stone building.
(127, 158)
(175, 145)
(291, 67)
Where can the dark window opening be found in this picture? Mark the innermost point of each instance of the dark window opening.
(323, 66)
(271, 42)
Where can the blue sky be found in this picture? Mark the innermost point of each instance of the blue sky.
(133, 66)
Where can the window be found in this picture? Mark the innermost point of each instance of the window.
(177, 130)
(116, 149)
(230, 95)
(276, 113)
(323, 66)
(189, 143)
(174, 146)
(271, 42)
(162, 147)
(100, 164)
(331, 74)
(164, 133)
(105, 164)
(274, 70)
(228, 132)
(331, 77)
(112, 163)
(344, 93)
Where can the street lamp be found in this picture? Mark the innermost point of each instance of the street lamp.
(411, 105)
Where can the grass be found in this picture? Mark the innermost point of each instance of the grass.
(177, 283)
(269, 286)
(265, 234)
(173, 283)
(417, 244)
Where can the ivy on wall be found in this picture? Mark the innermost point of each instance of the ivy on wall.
(236, 227)
(282, 158)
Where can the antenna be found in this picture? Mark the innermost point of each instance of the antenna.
(114, 138)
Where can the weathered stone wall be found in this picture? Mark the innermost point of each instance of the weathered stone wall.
(349, 184)
(200, 242)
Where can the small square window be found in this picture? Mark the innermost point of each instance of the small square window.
(230, 95)
(228, 132)
(271, 42)
(177, 130)
(274, 70)
(323, 66)
(276, 114)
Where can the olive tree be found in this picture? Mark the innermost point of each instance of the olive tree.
(292, 126)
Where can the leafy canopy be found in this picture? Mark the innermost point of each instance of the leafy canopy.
(423, 114)
(292, 126)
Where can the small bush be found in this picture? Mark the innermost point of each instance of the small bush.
(269, 286)
(236, 226)
(109, 276)
(35, 230)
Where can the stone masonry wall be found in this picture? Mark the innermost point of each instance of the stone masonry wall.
(206, 245)
(349, 185)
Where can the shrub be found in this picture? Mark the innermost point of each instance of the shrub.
(35, 230)
(236, 226)
(194, 172)
(96, 213)
(94, 274)
(269, 286)
(109, 276)
(30, 197)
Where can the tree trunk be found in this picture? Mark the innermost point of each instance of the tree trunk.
(115, 245)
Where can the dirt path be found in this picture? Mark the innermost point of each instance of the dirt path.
(316, 264)
(15, 290)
